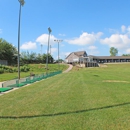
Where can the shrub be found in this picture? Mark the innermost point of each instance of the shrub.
(10, 70)
(1, 70)
(24, 68)
(15, 69)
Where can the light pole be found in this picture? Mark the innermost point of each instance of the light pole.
(49, 29)
(21, 4)
(50, 49)
(58, 41)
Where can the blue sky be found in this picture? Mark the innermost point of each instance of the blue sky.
(84, 25)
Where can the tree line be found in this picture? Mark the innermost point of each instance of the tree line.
(9, 52)
(32, 57)
(114, 52)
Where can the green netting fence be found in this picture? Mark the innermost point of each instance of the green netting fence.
(28, 80)
(5, 89)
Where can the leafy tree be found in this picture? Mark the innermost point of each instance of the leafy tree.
(24, 57)
(113, 51)
(60, 61)
(27, 57)
(7, 52)
(39, 58)
(50, 58)
(126, 55)
(32, 57)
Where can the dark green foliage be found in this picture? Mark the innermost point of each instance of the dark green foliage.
(126, 55)
(7, 52)
(59, 61)
(113, 51)
(6, 69)
(29, 58)
(1, 70)
(25, 68)
(9, 69)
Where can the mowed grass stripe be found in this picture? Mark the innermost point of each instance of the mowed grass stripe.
(75, 100)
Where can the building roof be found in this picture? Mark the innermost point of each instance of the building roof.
(110, 57)
(78, 53)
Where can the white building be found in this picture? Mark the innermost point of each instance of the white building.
(76, 57)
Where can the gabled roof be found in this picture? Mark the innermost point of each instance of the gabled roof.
(78, 53)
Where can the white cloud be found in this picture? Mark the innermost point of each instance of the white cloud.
(29, 46)
(53, 50)
(0, 31)
(62, 35)
(92, 50)
(96, 52)
(64, 54)
(62, 45)
(43, 39)
(128, 51)
(120, 53)
(117, 40)
(92, 47)
(85, 38)
(128, 29)
(113, 30)
(123, 28)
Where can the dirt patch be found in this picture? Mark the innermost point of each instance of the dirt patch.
(77, 68)
(102, 65)
(70, 67)
(115, 81)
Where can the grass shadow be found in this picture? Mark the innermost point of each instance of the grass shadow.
(96, 75)
(65, 113)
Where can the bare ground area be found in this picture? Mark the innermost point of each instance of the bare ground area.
(115, 81)
(70, 67)
(102, 65)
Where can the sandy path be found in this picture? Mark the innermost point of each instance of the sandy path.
(70, 67)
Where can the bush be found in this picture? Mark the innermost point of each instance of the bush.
(15, 69)
(1, 70)
(24, 68)
(7, 69)
(10, 70)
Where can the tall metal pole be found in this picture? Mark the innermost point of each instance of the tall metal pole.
(58, 56)
(50, 49)
(49, 29)
(21, 4)
(19, 42)
(58, 41)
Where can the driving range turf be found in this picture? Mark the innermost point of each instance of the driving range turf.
(83, 99)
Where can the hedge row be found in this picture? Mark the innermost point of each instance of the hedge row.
(8, 69)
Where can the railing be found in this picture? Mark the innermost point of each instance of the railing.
(28, 80)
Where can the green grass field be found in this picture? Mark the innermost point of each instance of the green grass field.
(34, 68)
(83, 99)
